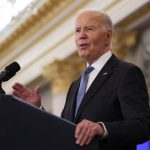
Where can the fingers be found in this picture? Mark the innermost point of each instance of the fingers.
(86, 131)
(18, 87)
(21, 91)
(89, 138)
(37, 90)
(82, 132)
(89, 135)
(16, 94)
(24, 93)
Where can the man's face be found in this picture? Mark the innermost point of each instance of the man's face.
(91, 37)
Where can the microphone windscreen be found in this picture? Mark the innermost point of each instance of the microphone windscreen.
(13, 68)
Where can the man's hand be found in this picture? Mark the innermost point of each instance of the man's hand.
(86, 130)
(30, 96)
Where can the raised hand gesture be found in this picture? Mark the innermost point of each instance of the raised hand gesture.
(26, 94)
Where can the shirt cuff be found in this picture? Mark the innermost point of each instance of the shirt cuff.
(105, 130)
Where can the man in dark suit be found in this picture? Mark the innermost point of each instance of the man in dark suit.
(115, 106)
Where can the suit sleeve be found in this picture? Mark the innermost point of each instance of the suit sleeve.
(133, 99)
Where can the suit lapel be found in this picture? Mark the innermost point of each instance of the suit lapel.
(103, 75)
(73, 100)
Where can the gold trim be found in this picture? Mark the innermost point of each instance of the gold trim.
(111, 5)
(33, 24)
(33, 29)
(61, 73)
(134, 17)
(124, 40)
(34, 83)
(30, 27)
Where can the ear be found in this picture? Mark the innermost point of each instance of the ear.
(108, 37)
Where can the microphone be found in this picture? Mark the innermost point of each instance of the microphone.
(9, 71)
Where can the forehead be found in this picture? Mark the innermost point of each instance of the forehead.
(89, 19)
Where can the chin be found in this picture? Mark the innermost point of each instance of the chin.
(83, 56)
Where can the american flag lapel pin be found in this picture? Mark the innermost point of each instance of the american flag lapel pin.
(105, 73)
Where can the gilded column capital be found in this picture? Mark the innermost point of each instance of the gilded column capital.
(123, 41)
(61, 73)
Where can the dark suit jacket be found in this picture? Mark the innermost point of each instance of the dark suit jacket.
(119, 98)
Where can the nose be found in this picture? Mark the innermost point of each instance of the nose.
(82, 34)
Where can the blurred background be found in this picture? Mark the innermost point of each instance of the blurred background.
(39, 35)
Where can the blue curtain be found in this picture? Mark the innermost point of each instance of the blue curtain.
(144, 146)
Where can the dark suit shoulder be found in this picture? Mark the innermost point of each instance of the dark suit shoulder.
(126, 65)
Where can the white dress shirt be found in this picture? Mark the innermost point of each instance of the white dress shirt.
(98, 65)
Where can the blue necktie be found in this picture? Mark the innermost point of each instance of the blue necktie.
(82, 88)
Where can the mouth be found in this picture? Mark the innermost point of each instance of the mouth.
(83, 46)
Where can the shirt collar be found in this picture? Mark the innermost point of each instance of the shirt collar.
(101, 61)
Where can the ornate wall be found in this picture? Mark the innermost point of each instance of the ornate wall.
(140, 54)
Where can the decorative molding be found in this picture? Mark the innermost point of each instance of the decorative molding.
(50, 53)
(37, 81)
(44, 15)
(60, 74)
(122, 42)
(124, 38)
(33, 24)
(143, 11)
